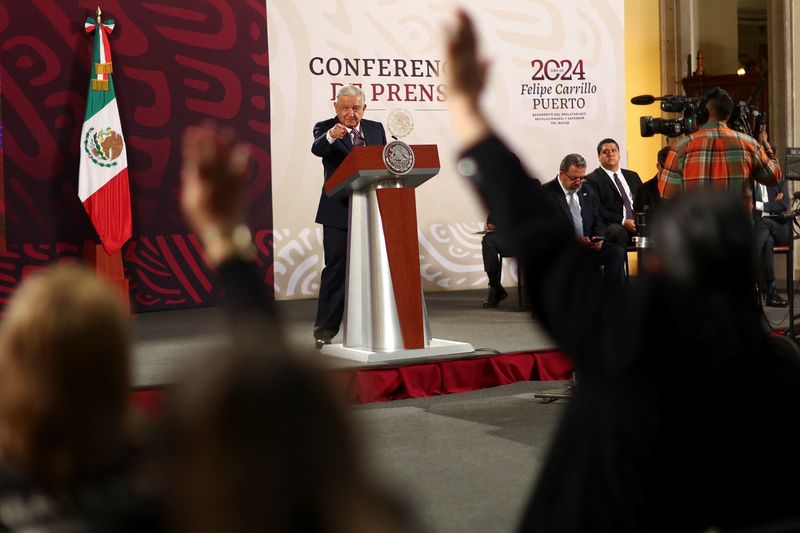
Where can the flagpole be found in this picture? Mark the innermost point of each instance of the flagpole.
(107, 266)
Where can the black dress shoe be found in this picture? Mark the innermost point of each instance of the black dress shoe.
(496, 294)
(323, 336)
(319, 343)
(776, 300)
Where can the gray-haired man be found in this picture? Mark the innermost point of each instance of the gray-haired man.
(333, 140)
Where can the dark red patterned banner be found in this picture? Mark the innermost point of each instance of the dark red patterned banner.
(176, 63)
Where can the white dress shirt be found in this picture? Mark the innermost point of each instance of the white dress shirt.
(567, 192)
(764, 198)
(624, 186)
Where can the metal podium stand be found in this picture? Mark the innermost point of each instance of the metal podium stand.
(385, 317)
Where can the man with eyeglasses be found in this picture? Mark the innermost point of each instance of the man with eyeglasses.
(578, 208)
(333, 140)
(615, 188)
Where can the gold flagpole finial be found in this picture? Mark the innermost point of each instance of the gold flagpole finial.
(98, 14)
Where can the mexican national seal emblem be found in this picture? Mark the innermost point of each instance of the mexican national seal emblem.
(400, 123)
(398, 158)
(103, 146)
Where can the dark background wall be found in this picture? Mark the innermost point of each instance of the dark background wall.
(176, 63)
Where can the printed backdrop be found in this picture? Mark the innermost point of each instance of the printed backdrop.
(176, 63)
(556, 87)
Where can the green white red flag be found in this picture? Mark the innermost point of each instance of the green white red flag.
(103, 185)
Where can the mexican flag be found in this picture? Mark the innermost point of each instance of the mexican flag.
(103, 180)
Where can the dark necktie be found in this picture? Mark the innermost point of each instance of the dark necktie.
(625, 201)
(358, 140)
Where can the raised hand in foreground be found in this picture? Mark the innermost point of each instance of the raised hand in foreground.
(466, 78)
(212, 192)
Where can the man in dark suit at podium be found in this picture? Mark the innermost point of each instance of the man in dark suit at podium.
(333, 140)
(615, 188)
(578, 209)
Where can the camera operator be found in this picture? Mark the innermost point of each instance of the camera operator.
(718, 157)
(772, 228)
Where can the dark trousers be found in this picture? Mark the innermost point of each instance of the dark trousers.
(617, 234)
(492, 248)
(330, 306)
(612, 259)
(770, 233)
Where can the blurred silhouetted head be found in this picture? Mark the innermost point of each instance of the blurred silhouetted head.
(259, 442)
(64, 377)
(706, 238)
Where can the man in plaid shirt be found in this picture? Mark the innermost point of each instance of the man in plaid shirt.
(718, 157)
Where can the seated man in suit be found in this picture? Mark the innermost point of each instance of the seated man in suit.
(771, 231)
(577, 206)
(646, 199)
(492, 249)
(615, 193)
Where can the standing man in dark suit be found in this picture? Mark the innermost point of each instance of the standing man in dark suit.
(771, 200)
(577, 207)
(615, 188)
(333, 140)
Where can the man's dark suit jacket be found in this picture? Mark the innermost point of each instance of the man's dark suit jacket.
(777, 206)
(333, 211)
(611, 206)
(647, 197)
(772, 231)
(592, 223)
(653, 438)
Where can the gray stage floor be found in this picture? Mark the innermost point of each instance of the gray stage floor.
(464, 463)
(165, 341)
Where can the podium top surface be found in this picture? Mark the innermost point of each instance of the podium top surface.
(364, 166)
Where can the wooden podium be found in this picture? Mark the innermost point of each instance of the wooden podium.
(384, 311)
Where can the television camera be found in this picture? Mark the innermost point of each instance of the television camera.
(745, 118)
(670, 103)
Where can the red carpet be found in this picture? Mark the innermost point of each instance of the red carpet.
(417, 380)
(367, 385)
